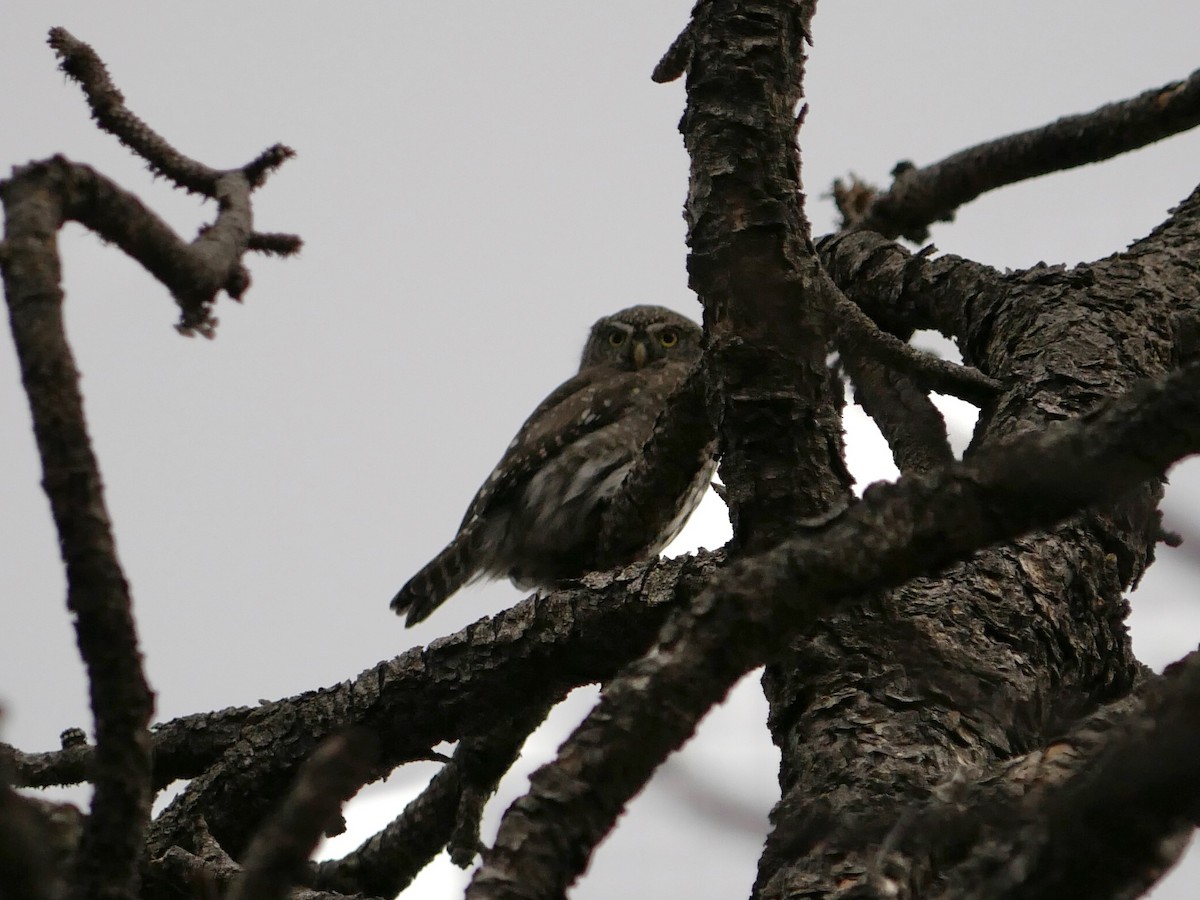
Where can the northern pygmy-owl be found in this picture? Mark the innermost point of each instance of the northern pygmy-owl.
(538, 517)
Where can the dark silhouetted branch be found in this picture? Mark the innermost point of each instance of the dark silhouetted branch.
(276, 857)
(912, 426)
(209, 871)
(920, 197)
(80, 61)
(859, 336)
(462, 684)
(194, 272)
(676, 60)
(97, 592)
(446, 812)
(182, 748)
(38, 199)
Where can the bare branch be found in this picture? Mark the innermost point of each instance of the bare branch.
(274, 244)
(209, 871)
(859, 336)
(97, 592)
(912, 426)
(447, 811)
(107, 103)
(181, 748)
(38, 199)
(919, 197)
(194, 272)
(676, 60)
(462, 684)
(333, 774)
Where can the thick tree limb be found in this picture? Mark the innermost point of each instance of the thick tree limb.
(767, 305)
(1048, 826)
(758, 605)
(466, 683)
(920, 197)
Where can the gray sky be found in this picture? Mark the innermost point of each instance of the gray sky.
(476, 184)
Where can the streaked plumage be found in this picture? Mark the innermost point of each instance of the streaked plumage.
(537, 517)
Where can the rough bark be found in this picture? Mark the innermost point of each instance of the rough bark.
(951, 683)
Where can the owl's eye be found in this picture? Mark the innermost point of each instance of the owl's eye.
(616, 338)
(668, 338)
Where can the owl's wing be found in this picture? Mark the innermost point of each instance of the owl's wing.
(590, 400)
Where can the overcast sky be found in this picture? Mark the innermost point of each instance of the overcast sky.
(476, 183)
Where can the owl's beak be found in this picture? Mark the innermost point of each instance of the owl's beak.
(640, 354)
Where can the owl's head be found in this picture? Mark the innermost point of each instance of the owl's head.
(640, 335)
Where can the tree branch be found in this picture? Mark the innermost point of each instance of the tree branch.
(97, 592)
(919, 197)
(767, 305)
(210, 871)
(181, 748)
(195, 272)
(1045, 828)
(276, 857)
(463, 684)
(859, 336)
(757, 606)
(912, 426)
(38, 199)
(388, 862)
(80, 62)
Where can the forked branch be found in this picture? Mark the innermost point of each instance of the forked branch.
(38, 199)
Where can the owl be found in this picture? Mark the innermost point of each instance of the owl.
(538, 517)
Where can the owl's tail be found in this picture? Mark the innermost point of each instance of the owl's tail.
(437, 581)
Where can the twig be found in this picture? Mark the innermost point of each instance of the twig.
(676, 60)
(275, 858)
(758, 605)
(919, 197)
